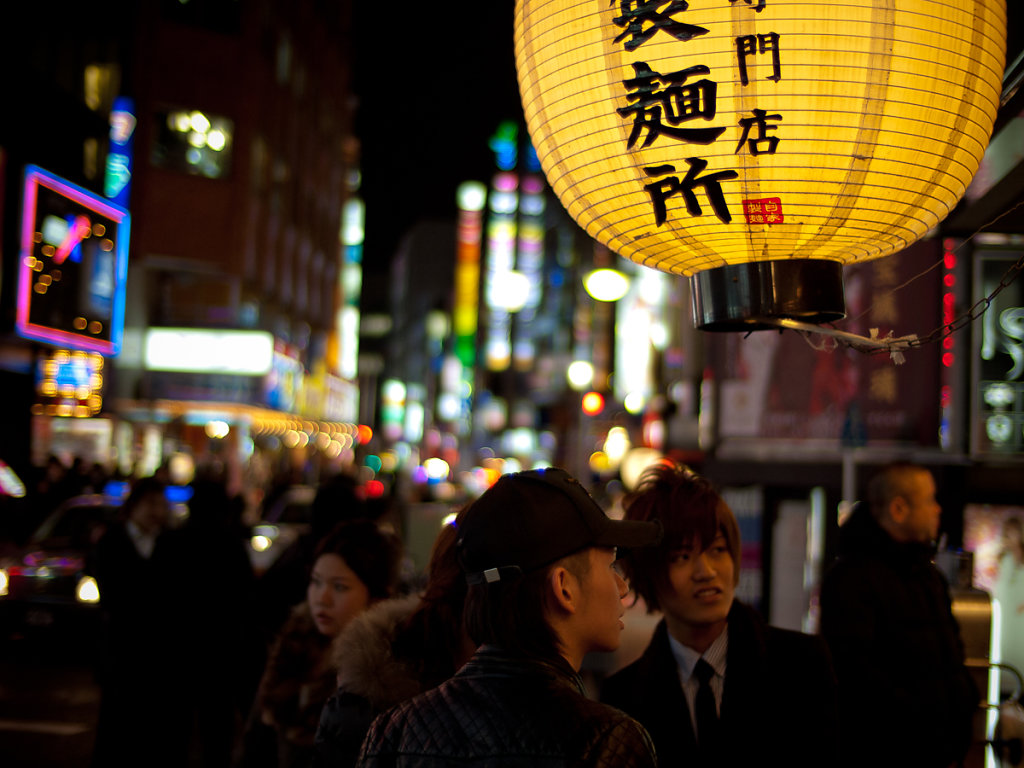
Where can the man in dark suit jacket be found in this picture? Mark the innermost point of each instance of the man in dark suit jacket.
(770, 695)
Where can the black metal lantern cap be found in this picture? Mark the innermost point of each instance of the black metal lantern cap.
(744, 297)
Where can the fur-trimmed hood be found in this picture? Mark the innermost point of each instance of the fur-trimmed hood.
(363, 657)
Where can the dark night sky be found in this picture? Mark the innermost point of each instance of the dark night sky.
(433, 82)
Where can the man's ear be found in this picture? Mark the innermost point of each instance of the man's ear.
(898, 510)
(564, 588)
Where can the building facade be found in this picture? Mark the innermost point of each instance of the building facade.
(238, 167)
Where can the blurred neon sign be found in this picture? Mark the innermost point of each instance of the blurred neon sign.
(73, 266)
(69, 383)
(117, 180)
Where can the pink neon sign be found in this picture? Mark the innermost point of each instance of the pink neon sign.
(72, 266)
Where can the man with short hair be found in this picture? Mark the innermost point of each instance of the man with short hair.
(539, 555)
(716, 686)
(905, 696)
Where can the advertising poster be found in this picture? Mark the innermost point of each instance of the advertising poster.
(793, 386)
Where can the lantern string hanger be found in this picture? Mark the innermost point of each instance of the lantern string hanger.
(894, 345)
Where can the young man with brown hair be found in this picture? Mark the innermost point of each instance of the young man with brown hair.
(539, 555)
(716, 686)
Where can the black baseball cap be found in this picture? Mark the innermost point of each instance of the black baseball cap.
(528, 520)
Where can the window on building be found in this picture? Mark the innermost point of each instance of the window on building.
(194, 142)
(216, 15)
(100, 85)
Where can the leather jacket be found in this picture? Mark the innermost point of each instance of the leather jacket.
(505, 710)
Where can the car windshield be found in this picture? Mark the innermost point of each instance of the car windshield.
(74, 525)
(295, 512)
(294, 507)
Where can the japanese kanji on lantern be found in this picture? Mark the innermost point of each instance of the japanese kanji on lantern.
(759, 145)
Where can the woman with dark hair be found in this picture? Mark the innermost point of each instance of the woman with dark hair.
(355, 566)
(394, 651)
(338, 498)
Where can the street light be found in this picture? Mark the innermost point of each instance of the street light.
(510, 292)
(580, 374)
(606, 284)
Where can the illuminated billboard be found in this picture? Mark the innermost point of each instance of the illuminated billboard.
(73, 265)
(209, 350)
(69, 383)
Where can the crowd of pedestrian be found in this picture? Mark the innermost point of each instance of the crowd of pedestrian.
(330, 658)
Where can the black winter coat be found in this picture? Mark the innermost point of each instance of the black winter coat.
(144, 619)
(778, 704)
(500, 710)
(905, 696)
(370, 679)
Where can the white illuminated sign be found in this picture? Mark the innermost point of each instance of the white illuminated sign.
(193, 350)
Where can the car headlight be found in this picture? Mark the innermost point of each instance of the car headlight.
(87, 591)
(263, 537)
(3, 582)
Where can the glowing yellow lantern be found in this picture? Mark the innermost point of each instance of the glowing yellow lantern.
(759, 145)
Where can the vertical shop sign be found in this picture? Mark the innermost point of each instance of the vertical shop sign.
(997, 416)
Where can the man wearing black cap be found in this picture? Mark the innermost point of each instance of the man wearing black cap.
(539, 555)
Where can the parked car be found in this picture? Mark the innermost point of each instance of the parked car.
(45, 584)
(287, 518)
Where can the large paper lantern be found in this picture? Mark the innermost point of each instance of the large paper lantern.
(759, 145)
